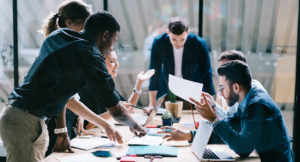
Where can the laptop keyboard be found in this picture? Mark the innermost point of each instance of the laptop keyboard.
(208, 154)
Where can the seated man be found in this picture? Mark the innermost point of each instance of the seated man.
(261, 124)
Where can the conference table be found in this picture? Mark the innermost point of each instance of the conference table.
(184, 150)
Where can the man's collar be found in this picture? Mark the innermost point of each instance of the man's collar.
(247, 98)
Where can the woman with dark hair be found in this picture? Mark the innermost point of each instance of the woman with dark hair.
(71, 14)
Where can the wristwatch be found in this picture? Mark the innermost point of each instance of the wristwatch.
(60, 130)
(217, 120)
(139, 92)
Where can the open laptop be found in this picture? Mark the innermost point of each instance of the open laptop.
(199, 145)
(153, 113)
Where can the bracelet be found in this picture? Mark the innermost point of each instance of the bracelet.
(139, 92)
(60, 130)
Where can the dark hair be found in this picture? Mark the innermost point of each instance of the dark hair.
(178, 25)
(232, 55)
(236, 72)
(73, 10)
(100, 22)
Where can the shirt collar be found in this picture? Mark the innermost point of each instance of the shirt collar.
(247, 99)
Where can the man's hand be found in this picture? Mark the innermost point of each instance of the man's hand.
(205, 109)
(138, 131)
(80, 129)
(62, 143)
(113, 134)
(174, 134)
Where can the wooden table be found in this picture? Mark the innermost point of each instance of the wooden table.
(184, 151)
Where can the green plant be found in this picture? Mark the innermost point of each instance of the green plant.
(172, 96)
(167, 115)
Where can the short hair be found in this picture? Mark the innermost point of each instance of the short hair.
(178, 25)
(232, 55)
(236, 72)
(100, 22)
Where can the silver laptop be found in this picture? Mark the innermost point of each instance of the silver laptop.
(152, 114)
(199, 145)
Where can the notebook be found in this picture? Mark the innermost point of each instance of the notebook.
(146, 140)
(166, 151)
(90, 143)
(199, 145)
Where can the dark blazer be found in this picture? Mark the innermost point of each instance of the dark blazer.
(195, 63)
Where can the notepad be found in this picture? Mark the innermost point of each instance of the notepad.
(146, 140)
(90, 143)
(166, 151)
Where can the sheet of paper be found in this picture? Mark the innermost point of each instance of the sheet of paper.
(85, 157)
(185, 88)
(146, 140)
(90, 143)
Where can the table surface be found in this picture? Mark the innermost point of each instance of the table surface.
(184, 149)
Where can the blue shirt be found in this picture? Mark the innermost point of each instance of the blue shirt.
(67, 62)
(258, 125)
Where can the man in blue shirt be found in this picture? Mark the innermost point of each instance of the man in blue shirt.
(179, 53)
(261, 125)
(67, 62)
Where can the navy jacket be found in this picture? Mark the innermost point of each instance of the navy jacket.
(261, 127)
(195, 63)
(67, 62)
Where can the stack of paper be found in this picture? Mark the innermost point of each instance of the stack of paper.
(146, 140)
(90, 143)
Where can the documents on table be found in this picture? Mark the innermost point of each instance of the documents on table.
(185, 88)
(146, 140)
(85, 157)
(90, 143)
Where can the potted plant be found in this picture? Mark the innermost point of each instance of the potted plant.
(174, 106)
(167, 118)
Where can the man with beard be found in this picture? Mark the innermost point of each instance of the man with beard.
(261, 126)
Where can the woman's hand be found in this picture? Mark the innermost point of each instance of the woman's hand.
(112, 133)
(145, 76)
(80, 129)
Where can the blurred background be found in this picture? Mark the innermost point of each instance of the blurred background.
(266, 31)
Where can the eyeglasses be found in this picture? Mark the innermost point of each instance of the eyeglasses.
(221, 88)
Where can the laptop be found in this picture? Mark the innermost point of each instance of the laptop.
(199, 145)
(153, 113)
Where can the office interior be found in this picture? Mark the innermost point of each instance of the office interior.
(265, 31)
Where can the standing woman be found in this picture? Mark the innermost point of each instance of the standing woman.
(71, 14)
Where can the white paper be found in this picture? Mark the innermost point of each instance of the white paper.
(146, 140)
(90, 143)
(86, 157)
(185, 88)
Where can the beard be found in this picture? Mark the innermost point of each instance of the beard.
(232, 98)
